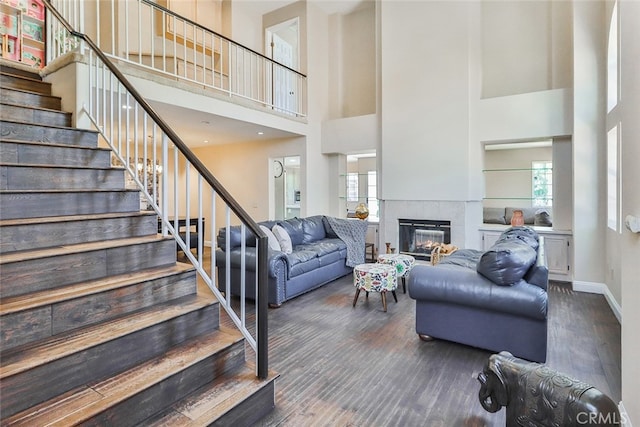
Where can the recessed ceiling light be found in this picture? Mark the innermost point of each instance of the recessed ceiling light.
(260, 133)
(206, 141)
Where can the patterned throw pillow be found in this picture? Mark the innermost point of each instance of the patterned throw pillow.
(283, 239)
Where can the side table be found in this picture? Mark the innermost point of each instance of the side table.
(402, 263)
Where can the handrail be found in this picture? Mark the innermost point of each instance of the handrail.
(261, 297)
(195, 24)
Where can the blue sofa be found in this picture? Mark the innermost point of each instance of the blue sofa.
(318, 258)
(495, 300)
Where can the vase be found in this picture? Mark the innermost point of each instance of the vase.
(362, 211)
(517, 220)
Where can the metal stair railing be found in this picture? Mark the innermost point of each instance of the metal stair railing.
(173, 181)
(146, 34)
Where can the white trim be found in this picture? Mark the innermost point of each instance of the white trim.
(601, 289)
(624, 417)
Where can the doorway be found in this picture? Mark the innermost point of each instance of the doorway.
(282, 45)
(286, 185)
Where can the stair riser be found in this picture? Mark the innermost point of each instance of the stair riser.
(45, 235)
(17, 97)
(34, 275)
(36, 205)
(251, 410)
(23, 327)
(138, 408)
(34, 386)
(36, 154)
(31, 115)
(13, 82)
(44, 178)
(30, 132)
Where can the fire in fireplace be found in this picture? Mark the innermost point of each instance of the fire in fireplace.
(418, 237)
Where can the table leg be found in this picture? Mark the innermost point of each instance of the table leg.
(355, 298)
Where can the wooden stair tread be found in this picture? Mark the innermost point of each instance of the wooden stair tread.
(57, 347)
(53, 144)
(69, 128)
(69, 218)
(210, 402)
(30, 92)
(79, 407)
(56, 295)
(41, 166)
(33, 107)
(76, 190)
(77, 248)
(22, 77)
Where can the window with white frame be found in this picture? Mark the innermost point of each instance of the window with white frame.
(612, 178)
(542, 183)
(372, 190)
(352, 187)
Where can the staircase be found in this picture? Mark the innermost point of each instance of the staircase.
(99, 325)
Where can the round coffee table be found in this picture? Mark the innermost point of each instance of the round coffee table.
(402, 263)
(375, 278)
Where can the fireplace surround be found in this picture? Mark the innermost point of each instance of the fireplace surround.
(417, 237)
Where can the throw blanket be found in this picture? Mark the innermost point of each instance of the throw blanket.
(353, 233)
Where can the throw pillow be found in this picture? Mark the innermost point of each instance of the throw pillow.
(542, 218)
(283, 239)
(506, 262)
(293, 226)
(493, 216)
(273, 240)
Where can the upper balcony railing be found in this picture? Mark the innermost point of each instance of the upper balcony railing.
(153, 37)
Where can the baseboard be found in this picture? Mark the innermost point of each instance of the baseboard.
(602, 289)
(624, 417)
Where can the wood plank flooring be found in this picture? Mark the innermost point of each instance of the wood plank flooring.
(345, 366)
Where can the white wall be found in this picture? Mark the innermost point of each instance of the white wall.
(541, 114)
(350, 135)
(425, 100)
(539, 58)
(589, 153)
(629, 242)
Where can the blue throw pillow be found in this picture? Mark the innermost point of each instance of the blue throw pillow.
(507, 262)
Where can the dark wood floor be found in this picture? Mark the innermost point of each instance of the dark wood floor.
(345, 366)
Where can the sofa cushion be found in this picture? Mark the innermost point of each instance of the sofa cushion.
(493, 216)
(313, 229)
(506, 262)
(272, 239)
(293, 226)
(322, 247)
(283, 239)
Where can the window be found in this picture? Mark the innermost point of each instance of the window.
(612, 178)
(372, 189)
(541, 183)
(352, 187)
(612, 61)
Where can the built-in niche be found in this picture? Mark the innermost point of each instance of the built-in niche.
(532, 175)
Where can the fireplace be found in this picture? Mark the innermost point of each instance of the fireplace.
(418, 237)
